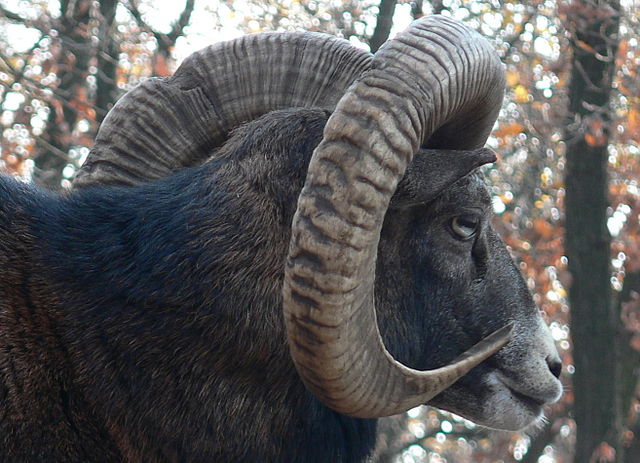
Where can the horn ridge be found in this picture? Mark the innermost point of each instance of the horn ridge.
(172, 123)
(423, 87)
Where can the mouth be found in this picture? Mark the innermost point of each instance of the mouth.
(531, 396)
(517, 403)
(532, 404)
(501, 399)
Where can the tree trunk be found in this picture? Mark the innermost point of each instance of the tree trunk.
(383, 26)
(595, 323)
(107, 90)
(630, 369)
(162, 59)
(632, 454)
(74, 56)
(73, 60)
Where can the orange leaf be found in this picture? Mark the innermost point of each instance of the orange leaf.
(543, 228)
(160, 66)
(595, 140)
(633, 122)
(585, 46)
(595, 136)
(603, 453)
(509, 130)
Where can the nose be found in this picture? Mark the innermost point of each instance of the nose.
(555, 365)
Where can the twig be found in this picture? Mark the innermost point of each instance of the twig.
(16, 18)
(17, 78)
(164, 40)
(54, 150)
(539, 442)
(63, 96)
(383, 25)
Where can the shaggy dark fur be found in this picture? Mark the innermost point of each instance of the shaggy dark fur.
(144, 324)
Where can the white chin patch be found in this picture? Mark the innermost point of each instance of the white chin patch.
(510, 397)
(504, 409)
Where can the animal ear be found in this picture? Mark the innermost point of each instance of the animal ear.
(433, 170)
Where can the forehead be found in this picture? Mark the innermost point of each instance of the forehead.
(469, 191)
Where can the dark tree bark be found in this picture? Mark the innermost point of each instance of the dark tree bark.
(544, 437)
(165, 42)
(632, 454)
(75, 53)
(630, 369)
(593, 25)
(73, 64)
(437, 6)
(107, 90)
(383, 26)
(75, 50)
(416, 9)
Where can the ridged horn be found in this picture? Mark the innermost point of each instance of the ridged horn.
(438, 84)
(167, 124)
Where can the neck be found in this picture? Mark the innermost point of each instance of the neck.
(176, 347)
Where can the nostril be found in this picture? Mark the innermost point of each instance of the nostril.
(555, 365)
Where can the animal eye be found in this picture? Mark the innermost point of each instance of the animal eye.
(465, 226)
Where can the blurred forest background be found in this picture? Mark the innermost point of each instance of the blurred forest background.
(566, 189)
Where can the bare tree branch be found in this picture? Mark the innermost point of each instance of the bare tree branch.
(416, 9)
(164, 40)
(182, 22)
(132, 6)
(53, 150)
(18, 76)
(10, 15)
(64, 97)
(107, 53)
(437, 6)
(383, 26)
(540, 441)
(16, 18)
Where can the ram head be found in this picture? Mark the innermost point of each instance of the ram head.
(396, 290)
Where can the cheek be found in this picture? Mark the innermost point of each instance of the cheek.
(417, 321)
(456, 301)
(447, 310)
(426, 301)
(464, 398)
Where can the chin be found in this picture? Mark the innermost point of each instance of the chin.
(490, 400)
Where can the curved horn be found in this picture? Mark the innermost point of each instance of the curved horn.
(166, 124)
(437, 84)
